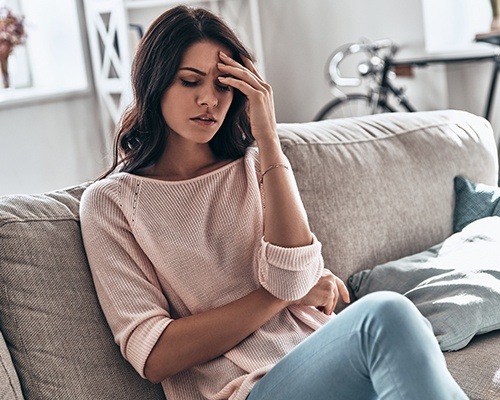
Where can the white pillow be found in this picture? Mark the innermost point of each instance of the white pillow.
(455, 285)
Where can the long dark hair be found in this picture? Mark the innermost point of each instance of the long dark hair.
(141, 135)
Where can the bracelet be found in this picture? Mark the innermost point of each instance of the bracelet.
(272, 166)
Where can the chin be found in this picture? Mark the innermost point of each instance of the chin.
(203, 139)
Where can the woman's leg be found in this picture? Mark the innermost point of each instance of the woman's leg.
(380, 347)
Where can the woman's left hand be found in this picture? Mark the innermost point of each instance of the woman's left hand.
(259, 93)
(325, 294)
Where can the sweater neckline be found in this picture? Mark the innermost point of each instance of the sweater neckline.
(184, 181)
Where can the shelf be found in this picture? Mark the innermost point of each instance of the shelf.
(27, 96)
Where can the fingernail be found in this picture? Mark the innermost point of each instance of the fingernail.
(223, 54)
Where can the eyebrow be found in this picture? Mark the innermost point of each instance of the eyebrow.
(194, 70)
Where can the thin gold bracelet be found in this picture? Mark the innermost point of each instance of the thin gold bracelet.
(272, 166)
(261, 181)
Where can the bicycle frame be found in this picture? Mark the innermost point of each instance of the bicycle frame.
(385, 87)
(376, 71)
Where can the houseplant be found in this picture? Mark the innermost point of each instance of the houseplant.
(12, 33)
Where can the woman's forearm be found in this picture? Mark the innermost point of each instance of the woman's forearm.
(285, 219)
(196, 339)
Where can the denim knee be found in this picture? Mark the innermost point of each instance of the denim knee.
(392, 309)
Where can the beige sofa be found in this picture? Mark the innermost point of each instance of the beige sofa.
(376, 189)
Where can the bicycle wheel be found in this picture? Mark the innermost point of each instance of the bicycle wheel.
(353, 105)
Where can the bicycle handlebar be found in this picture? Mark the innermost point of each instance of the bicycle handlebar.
(352, 48)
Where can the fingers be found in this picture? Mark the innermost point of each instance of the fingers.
(337, 289)
(246, 73)
(249, 64)
(242, 86)
(232, 62)
(326, 293)
(330, 307)
(344, 292)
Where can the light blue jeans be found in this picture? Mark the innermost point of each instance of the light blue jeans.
(380, 347)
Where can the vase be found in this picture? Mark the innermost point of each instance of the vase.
(5, 51)
(4, 67)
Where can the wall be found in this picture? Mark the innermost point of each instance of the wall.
(308, 32)
(49, 145)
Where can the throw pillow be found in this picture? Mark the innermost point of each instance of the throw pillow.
(455, 285)
(473, 201)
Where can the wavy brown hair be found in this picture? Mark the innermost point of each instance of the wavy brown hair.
(141, 135)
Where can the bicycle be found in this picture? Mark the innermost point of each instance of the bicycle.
(376, 69)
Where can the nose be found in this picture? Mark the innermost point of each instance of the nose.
(208, 97)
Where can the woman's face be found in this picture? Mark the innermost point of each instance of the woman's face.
(196, 103)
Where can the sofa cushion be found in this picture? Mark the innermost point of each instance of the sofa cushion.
(455, 285)
(474, 201)
(370, 184)
(49, 314)
(476, 368)
(10, 388)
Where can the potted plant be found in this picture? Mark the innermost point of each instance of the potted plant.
(12, 33)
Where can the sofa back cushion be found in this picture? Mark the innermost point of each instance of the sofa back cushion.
(378, 188)
(49, 314)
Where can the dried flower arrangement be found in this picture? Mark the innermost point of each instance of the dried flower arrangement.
(12, 33)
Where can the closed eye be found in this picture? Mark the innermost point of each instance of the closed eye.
(220, 87)
(223, 88)
(189, 83)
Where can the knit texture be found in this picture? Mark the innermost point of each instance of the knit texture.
(161, 250)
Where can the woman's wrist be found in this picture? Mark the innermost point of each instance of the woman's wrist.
(280, 304)
(270, 151)
(268, 141)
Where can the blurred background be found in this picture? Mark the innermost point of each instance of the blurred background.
(68, 75)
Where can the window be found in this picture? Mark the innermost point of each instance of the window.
(451, 25)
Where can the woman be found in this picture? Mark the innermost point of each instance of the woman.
(202, 256)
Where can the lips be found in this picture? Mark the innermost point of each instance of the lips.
(204, 118)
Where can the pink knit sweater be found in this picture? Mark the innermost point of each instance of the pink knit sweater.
(162, 250)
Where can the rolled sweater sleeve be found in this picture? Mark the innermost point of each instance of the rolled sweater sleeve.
(288, 273)
(127, 287)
